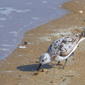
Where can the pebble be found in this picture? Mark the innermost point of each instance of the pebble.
(37, 62)
(51, 82)
(43, 70)
(36, 73)
(64, 80)
(20, 76)
(81, 11)
(25, 43)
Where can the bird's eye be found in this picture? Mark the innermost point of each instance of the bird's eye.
(42, 60)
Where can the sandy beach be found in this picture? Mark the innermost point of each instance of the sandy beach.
(19, 67)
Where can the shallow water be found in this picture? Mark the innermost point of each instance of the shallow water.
(17, 16)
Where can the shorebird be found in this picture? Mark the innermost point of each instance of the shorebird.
(61, 49)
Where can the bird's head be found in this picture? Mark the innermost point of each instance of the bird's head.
(44, 59)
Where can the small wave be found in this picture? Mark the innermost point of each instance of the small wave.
(9, 10)
(35, 18)
(2, 19)
(44, 2)
(6, 45)
(4, 49)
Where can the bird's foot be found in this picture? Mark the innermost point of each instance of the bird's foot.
(72, 54)
(58, 64)
(61, 67)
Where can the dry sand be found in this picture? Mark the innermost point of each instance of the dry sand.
(19, 68)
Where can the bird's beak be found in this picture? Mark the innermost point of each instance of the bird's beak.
(39, 67)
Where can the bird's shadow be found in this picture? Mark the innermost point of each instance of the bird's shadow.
(32, 67)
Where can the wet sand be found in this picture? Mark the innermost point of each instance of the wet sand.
(19, 68)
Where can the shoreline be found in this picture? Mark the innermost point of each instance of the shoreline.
(25, 18)
(18, 67)
(35, 28)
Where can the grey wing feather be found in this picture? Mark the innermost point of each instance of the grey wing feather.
(62, 46)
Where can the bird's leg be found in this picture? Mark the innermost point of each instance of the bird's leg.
(58, 63)
(72, 54)
(65, 63)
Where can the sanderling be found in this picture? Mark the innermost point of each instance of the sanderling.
(61, 49)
